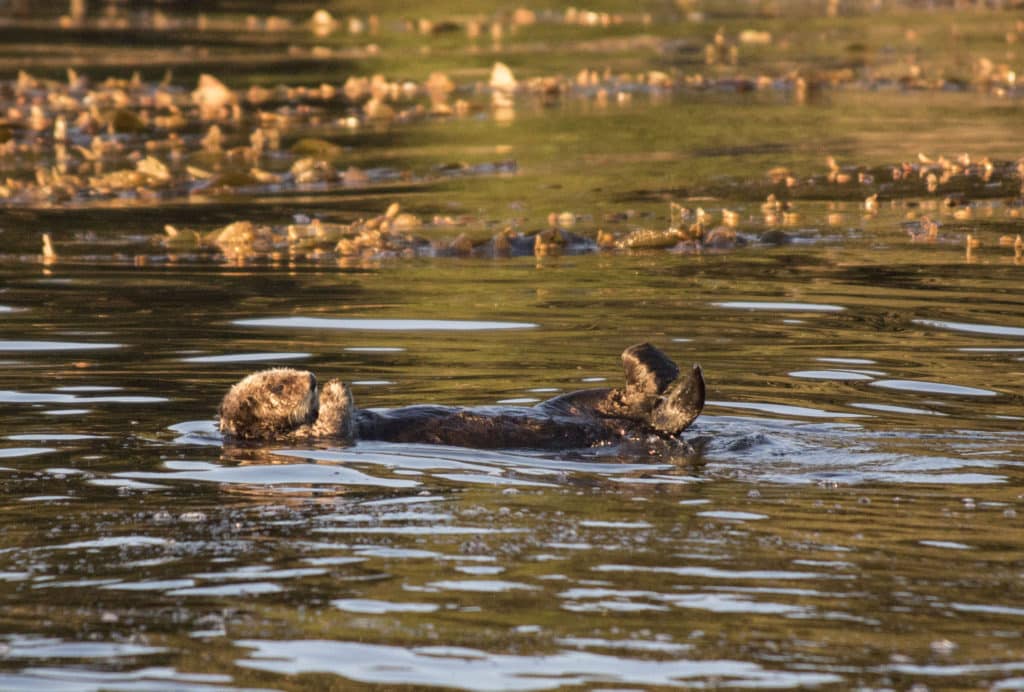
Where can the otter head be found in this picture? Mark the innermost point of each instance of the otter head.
(269, 404)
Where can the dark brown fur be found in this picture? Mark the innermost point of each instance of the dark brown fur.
(283, 403)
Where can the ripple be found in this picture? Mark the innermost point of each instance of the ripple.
(626, 644)
(123, 484)
(54, 437)
(781, 307)
(957, 670)
(993, 609)
(732, 516)
(489, 479)
(410, 500)
(247, 357)
(8, 396)
(949, 545)
(417, 530)
(480, 585)
(926, 387)
(260, 572)
(932, 478)
(15, 576)
(481, 670)
(15, 345)
(127, 399)
(71, 584)
(390, 553)
(597, 524)
(43, 648)
(185, 465)
(150, 585)
(333, 560)
(830, 375)
(713, 573)
(890, 408)
(15, 452)
(480, 570)
(381, 324)
(616, 606)
(248, 589)
(131, 541)
(48, 498)
(67, 412)
(580, 593)
(847, 361)
(387, 459)
(728, 603)
(973, 328)
(390, 516)
(785, 410)
(276, 474)
(198, 432)
(425, 456)
(990, 349)
(374, 349)
(372, 607)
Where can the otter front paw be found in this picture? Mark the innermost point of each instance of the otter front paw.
(336, 413)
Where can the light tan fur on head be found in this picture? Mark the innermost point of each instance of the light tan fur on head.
(269, 404)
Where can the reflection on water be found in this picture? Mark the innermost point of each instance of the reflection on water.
(12, 397)
(840, 463)
(467, 668)
(247, 358)
(847, 513)
(779, 307)
(992, 329)
(933, 388)
(381, 325)
(21, 345)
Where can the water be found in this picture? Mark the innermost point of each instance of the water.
(848, 513)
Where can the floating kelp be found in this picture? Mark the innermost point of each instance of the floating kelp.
(86, 142)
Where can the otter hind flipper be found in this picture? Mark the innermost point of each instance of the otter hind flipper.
(648, 370)
(680, 405)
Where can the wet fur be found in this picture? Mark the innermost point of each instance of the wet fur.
(269, 404)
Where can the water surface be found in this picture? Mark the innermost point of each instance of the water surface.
(847, 513)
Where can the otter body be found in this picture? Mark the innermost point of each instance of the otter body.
(283, 404)
(493, 427)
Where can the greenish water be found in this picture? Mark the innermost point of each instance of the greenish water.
(849, 514)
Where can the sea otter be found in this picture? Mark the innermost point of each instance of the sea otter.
(286, 404)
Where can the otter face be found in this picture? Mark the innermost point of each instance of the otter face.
(269, 404)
